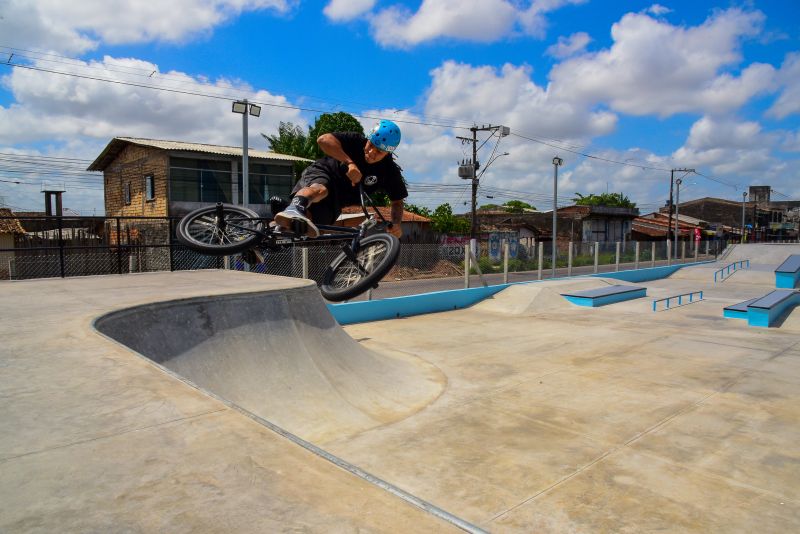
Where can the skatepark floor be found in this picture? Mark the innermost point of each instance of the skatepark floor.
(523, 413)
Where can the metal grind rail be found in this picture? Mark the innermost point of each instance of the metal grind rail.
(726, 271)
(679, 298)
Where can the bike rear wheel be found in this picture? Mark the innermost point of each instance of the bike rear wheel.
(204, 230)
(343, 279)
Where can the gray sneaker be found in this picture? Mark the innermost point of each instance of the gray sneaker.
(294, 218)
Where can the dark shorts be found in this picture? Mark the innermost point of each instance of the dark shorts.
(327, 210)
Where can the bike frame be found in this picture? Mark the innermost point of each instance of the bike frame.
(343, 233)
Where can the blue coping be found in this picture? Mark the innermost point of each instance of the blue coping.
(601, 297)
(763, 311)
(439, 301)
(788, 273)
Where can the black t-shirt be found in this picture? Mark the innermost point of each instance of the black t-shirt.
(384, 175)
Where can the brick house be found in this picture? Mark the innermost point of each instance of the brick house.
(149, 177)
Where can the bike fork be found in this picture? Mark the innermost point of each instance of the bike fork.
(351, 255)
(220, 214)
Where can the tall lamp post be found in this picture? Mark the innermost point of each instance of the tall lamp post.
(557, 162)
(678, 183)
(744, 198)
(245, 108)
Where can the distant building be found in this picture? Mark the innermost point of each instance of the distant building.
(149, 177)
(416, 228)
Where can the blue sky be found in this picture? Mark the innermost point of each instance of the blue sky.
(649, 86)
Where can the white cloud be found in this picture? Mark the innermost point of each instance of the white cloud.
(465, 20)
(791, 142)
(788, 102)
(60, 109)
(344, 10)
(569, 46)
(656, 68)
(75, 27)
(658, 10)
(508, 96)
(731, 148)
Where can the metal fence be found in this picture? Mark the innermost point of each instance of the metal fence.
(81, 246)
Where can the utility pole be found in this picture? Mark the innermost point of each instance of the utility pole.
(744, 200)
(469, 170)
(671, 181)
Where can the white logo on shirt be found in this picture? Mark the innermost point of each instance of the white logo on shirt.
(371, 180)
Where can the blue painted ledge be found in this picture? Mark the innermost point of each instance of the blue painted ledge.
(454, 299)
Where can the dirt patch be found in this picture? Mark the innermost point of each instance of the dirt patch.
(442, 269)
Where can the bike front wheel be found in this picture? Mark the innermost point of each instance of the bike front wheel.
(220, 230)
(345, 279)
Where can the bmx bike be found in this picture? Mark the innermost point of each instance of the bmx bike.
(368, 252)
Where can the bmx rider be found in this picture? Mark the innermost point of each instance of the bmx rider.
(329, 183)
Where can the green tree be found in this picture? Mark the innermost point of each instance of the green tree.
(517, 206)
(443, 221)
(329, 123)
(488, 207)
(419, 210)
(291, 140)
(612, 200)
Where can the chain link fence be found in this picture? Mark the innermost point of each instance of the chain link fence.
(83, 246)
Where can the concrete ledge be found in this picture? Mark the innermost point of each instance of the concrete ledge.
(607, 295)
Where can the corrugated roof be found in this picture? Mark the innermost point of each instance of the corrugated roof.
(9, 226)
(117, 144)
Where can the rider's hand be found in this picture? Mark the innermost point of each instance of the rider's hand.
(353, 173)
(396, 230)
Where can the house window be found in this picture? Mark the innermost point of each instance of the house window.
(267, 180)
(199, 180)
(150, 187)
(126, 194)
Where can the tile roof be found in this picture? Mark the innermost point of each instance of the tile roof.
(118, 143)
(386, 211)
(9, 226)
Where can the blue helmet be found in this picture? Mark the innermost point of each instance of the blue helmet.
(385, 135)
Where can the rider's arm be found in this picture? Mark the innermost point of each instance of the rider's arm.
(397, 218)
(332, 147)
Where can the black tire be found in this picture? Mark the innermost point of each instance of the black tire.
(343, 280)
(200, 230)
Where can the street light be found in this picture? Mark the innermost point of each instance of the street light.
(744, 198)
(678, 183)
(244, 108)
(557, 162)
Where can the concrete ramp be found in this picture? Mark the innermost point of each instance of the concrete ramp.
(539, 297)
(281, 356)
(762, 253)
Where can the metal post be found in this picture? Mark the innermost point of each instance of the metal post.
(556, 162)
(669, 252)
(119, 248)
(653, 254)
(683, 251)
(541, 258)
(569, 260)
(617, 267)
(304, 259)
(696, 249)
(707, 244)
(245, 156)
(505, 261)
(596, 255)
(466, 266)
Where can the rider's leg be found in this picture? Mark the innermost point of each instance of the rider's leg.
(298, 209)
